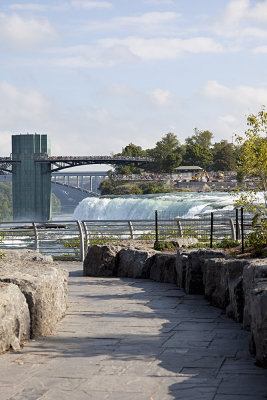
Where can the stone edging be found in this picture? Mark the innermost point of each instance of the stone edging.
(237, 286)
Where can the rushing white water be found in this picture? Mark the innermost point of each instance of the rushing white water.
(144, 206)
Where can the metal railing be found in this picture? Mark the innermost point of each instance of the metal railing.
(70, 239)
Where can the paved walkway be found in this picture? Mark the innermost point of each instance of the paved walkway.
(126, 339)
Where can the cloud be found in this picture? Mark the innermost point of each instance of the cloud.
(86, 4)
(242, 96)
(162, 98)
(241, 19)
(25, 33)
(21, 105)
(163, 48)
(159, 2)
(260, 50)
(63, 6)
(149, 23)
(28, 7)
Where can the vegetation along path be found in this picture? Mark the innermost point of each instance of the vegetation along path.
(134, 340)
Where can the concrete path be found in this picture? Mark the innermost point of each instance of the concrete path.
(126, 339)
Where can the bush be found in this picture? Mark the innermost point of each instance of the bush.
(163, 245)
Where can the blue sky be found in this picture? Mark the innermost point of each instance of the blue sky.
(97, 75)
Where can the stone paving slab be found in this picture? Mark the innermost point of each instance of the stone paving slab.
(129, 339)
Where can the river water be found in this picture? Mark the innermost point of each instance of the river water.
(183, 204)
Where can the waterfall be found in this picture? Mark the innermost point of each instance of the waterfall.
(144, 206)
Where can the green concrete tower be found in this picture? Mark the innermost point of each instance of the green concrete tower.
(31, 181)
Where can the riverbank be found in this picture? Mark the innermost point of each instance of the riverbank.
(124, 187)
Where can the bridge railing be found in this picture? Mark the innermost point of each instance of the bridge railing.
(70, 239)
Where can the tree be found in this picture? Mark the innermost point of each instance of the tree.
(131, 150)
(252, 164)
(224, 158)
(202, 138)
(198, 149)
(167, 154)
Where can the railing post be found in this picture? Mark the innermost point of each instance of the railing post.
(180, 229)
(86, 239)
(36, 236)
(81, 240)
(242, 228)
(156, 226)
(232, 229)
(211, 229)
(131, 229)
(236, 224)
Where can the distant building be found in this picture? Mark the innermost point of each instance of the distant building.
(187, 171)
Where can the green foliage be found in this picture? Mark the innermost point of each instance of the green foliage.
(163, 245)
(73, 244)
(252, 165)
(167, 154)
(202, 138)
(5, 201)
(114, 187)
(258, 238)
(224, 158)
(227, 244)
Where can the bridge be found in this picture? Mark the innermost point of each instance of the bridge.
(32, 165)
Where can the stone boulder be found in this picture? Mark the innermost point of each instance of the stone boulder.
(100, 260)
(163, 268)
(189, 268)
(14, 317)
(255, 315)
(223, 283)
(134, 263)
(43, 284)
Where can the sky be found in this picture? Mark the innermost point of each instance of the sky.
(98, 75)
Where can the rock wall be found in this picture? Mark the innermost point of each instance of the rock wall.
(237, 286)
(33, 297)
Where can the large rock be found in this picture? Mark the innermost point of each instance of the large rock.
(255, 314)
(43, 284)
(100, 260)
(194, 268)
(14, 317)
(223, 285)
(134, 263)
(181, 263)
(163, 268)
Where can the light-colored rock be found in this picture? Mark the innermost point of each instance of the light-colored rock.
(43, 284)
(14, 317)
